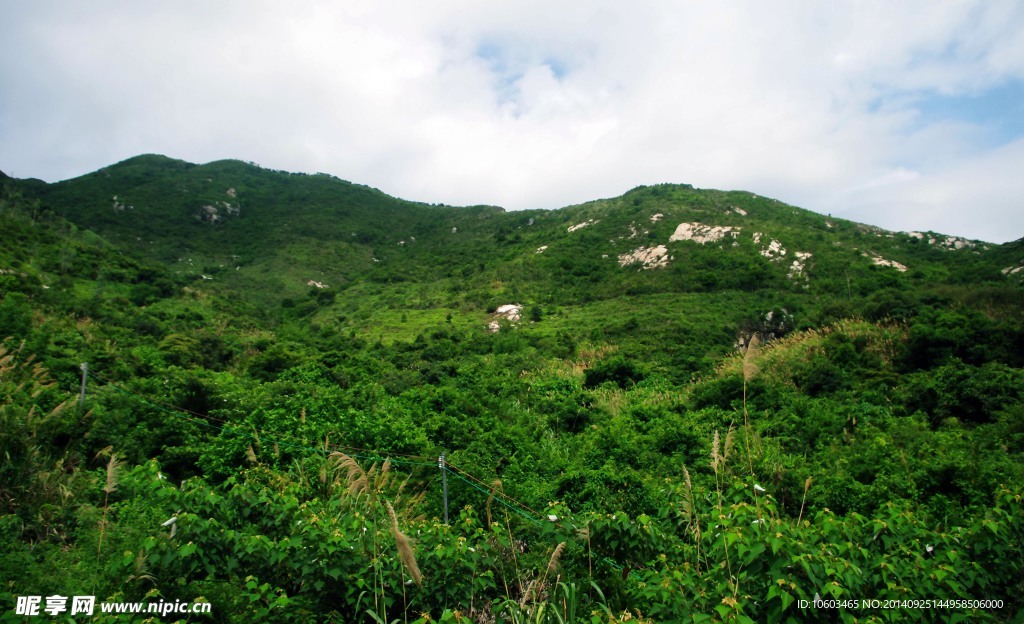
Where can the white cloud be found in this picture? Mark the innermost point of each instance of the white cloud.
(978, 197)
(529, 104)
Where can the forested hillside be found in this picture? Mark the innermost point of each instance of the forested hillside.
(674, 405)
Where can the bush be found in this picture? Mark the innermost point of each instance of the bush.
(617, 370)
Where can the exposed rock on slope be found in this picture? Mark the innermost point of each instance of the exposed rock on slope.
(703, 234)
(774, 250)
(648, 257)
(880, 261)
(944, 242)
(511, 312)
(579, 226)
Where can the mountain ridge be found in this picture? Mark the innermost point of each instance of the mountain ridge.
(138, 171)
(220, 165)
(267, 237)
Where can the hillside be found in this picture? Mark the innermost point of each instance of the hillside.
(706, 406)
(274, 231)
(266, 238)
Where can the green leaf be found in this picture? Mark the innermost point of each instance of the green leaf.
(787, 599)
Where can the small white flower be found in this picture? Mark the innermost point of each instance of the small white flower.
(553, 518)
(929, 548)
(758, 488)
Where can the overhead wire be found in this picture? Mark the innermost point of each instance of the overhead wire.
(520, 509)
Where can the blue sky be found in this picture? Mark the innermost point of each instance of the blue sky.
(997, 111)
(907, 115)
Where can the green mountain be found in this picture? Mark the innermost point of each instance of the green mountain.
(273, 231)
(350, 258)
(684, 404)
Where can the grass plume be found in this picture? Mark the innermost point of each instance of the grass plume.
(404, 548)
(355, 476)
(108, 488)
(750, 370)
(807, 486)
(495, 485)
(555, 556)
(716, 458)
(690, 511)
(112, 466)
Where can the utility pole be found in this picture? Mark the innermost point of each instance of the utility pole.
(444, 484)
(85, 374)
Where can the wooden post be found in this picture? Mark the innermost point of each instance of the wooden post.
(85, 374)
(444, 484)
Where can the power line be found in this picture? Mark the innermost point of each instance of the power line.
(360, 453)
(492, 492)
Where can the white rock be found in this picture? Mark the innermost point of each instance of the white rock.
(880, 261)
(700, 233)
(511, 311)
(578, 226)
(774, 250)
(799, 265)
(648, 257)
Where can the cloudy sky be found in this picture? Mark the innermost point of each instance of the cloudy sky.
(908, 115)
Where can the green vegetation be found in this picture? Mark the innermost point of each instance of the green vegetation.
(276, 362)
